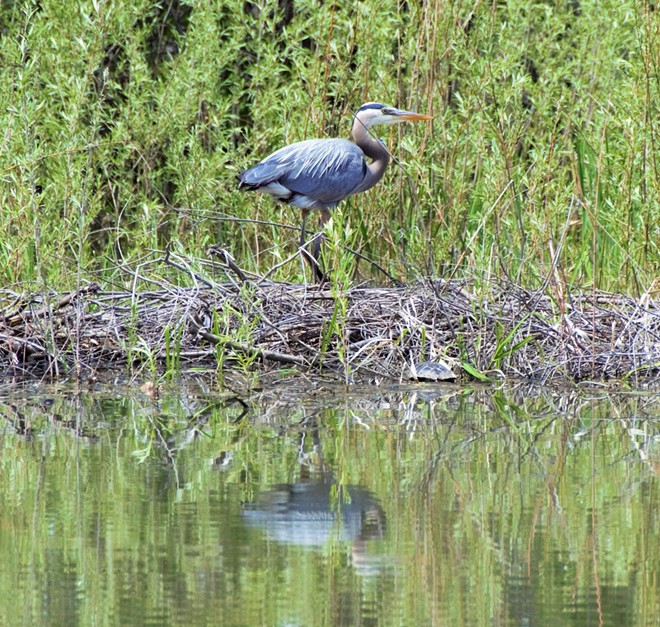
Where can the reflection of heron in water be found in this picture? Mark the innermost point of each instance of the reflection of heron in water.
(311, 514)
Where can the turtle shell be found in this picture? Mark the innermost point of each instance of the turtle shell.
(431, 371)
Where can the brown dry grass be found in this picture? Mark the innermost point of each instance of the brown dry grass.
(499, 328)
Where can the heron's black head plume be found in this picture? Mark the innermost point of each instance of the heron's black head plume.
(372, 105)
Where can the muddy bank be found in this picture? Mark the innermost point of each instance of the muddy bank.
(366, 334)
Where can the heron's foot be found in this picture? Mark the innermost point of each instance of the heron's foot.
(312, 258)
(321, 276)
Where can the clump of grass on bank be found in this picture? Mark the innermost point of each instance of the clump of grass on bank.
(124, 125)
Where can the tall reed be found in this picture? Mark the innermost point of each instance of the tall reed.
(124, 125)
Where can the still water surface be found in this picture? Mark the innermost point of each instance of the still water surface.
(321, 506)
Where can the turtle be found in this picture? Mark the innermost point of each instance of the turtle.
(431, 371)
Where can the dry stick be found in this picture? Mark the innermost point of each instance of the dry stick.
(210, 216)
(375, 265)
(31, 348)
(302, 250)
(292, 257)
(278, 266)
(266, 223)
(16, 318)
(312, 260)
(260, 353)
(219, 251)
(130, 270)
(200, 278)
(34, 347)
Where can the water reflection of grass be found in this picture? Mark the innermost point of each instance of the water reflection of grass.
(495, 505)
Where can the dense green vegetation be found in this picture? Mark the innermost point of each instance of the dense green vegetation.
(124, 125)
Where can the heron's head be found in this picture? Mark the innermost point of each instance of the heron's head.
(374, 113)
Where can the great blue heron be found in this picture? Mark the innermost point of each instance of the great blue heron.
(320, 173)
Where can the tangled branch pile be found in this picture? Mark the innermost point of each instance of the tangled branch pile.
(364, 334)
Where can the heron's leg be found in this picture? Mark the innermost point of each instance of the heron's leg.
(305, 213)
(321, 276)
(318, 238)
(313, 258)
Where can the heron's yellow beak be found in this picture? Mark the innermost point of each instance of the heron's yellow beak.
(409, 116)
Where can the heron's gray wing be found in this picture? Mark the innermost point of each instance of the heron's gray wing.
(323, 170)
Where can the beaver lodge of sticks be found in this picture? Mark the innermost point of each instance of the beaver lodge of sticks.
(366, 334)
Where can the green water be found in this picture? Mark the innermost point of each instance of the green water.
(318, 506)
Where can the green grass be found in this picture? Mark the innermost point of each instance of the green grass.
(125, 124)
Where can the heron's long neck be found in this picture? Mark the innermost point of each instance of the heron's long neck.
(374, 150)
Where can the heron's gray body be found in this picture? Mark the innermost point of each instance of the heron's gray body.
(312, 174)
(320, 173)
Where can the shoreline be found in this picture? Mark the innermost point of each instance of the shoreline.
(362, 335)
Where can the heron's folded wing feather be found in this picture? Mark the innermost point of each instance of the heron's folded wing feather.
(326, 170)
